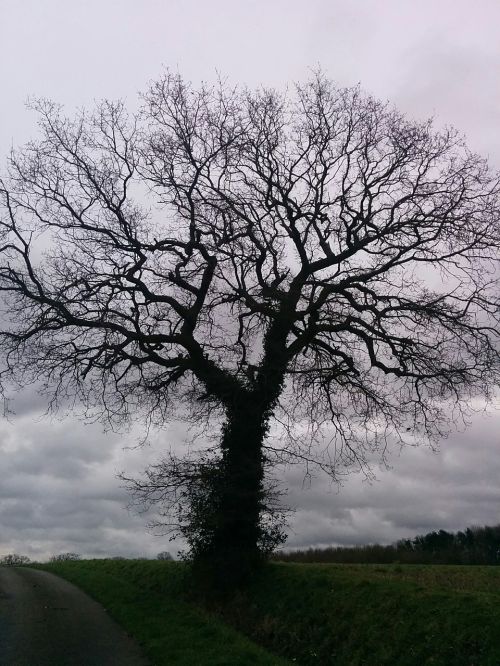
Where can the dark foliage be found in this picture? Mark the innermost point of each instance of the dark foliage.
(187, 496)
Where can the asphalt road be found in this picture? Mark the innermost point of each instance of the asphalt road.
(46, 621)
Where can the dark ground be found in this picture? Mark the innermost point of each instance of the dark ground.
(46, 621)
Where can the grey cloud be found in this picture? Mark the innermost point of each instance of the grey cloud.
(458, 76)
(48, 447)
(27, 401)
(450, 489)
(59, 490)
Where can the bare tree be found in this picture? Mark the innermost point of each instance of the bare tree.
(14, 560)
(65, 557)
(314, 260)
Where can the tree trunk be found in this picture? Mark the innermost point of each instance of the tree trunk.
(234, 552)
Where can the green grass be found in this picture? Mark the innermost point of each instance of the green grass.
(344, 615)
(373, 615)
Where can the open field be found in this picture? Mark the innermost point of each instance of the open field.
(373, 615)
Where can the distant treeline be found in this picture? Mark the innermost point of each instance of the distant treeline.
(15, 560)
(475, 545)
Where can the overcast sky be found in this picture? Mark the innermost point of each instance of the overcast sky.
(58, 490)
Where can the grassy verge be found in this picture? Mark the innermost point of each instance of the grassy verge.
(145, 597)
(347, 615)
(353, 615)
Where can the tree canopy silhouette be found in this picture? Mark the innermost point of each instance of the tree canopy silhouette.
(311, 259)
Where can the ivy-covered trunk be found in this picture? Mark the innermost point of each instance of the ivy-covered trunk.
(234, 549)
